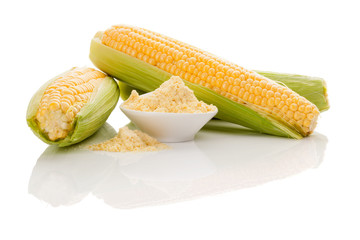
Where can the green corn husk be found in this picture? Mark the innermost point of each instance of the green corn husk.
(88, 120)
(147, 78)
(312, 88)
(125, 90)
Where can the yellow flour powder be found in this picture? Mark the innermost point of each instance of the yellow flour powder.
(130, 141)
(171, 97)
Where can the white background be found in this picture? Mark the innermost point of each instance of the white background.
(320, 38)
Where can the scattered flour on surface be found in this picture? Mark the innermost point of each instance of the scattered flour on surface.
(130, 141)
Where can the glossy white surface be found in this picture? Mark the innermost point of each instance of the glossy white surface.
(272, 189)
(188, 170)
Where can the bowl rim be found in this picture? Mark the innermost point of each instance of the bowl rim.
(167, 113)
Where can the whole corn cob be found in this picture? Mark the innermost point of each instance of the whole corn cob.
(145, 59)
(72, 106)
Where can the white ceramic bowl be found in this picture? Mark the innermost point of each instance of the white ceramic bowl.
(169, 127)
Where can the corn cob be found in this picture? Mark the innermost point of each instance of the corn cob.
(72, 106)
(145, 59)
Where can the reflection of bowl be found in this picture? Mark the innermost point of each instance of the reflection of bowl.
(154, 177)
(169, 127)
(184, 162)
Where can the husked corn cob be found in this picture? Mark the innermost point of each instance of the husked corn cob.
(65, 109)
(246, 98)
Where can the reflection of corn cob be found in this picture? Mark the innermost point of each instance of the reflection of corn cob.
(145, 59)
(72, 106)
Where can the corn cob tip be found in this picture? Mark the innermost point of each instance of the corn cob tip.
(56, 112)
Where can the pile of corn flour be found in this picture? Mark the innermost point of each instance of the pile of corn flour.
(171, 97)
(129, 141)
